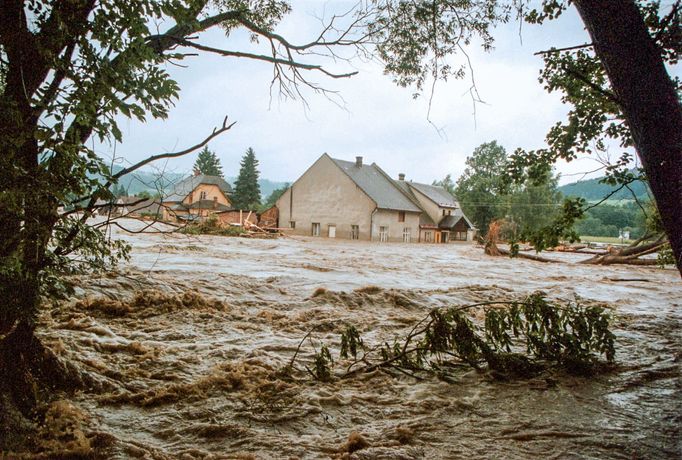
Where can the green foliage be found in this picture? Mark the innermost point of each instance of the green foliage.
(208, 163)
(608, 220)
(479, 189)
(246, 189)
(560, 228)
(665, 257)
(416, 38)
(485, 194)
(516, 339)
(350, 342)
(322, 365)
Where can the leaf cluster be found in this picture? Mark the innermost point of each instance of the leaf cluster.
(415, 39)
(516, 339)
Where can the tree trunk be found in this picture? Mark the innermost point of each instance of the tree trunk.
(648, 99)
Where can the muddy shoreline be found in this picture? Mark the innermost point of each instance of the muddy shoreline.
(188, 369)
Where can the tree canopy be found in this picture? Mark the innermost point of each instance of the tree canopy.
(208, 163)
(246, 189)
(485, 194)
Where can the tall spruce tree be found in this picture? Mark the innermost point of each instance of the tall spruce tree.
(246, 189)
(208, 163)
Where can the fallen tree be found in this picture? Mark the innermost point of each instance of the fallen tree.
(517, 339)
(492, 249)
(631, 255)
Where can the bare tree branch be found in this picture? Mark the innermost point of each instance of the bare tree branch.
(568, 48)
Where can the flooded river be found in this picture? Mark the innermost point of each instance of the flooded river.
(183, 349)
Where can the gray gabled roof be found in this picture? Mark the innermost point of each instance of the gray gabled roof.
(451, 220)
(185, 186)
(437, 194)
(377, 185)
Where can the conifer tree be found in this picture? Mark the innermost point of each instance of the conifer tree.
(208, 163)
(246, 189)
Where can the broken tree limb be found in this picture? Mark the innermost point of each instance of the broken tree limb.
(630, 255)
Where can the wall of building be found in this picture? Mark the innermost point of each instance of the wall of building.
(211, 192)
(325, 195)
(434, 211)
(390, 220)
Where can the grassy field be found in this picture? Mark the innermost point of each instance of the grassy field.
(603, 239)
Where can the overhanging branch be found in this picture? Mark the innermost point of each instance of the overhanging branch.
(262, 57)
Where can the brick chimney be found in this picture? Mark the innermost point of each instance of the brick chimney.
(196, 172)
(401, 176)
(215, 202)
(358, 162)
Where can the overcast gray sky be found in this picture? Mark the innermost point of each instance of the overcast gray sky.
(381, 121)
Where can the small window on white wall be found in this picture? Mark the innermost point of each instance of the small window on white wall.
(316, 229)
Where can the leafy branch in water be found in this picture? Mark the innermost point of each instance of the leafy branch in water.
(516, 339)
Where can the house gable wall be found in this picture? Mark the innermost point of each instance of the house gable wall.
(434, 211)
(211, 192)
(324, 194)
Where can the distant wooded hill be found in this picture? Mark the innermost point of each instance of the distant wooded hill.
(153, 182)
(593, 190)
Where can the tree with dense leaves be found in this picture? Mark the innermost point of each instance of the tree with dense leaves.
(246, 189)
(479, 189)
(208, 163)
(485, 195)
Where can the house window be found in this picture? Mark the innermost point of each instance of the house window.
(354, 232)
(316, 229)
(292, 224)
(383, 234)
(428, 237)
(202, 196)
(460, 236)
(401, 216)
(444, 237)
(443, 211)
(449, 212)
(331, 231)
(407, 234)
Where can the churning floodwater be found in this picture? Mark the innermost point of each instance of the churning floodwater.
(183, 348)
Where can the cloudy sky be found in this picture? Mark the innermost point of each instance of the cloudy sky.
(379, 120)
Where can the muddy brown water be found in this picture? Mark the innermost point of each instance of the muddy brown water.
(181, 375)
